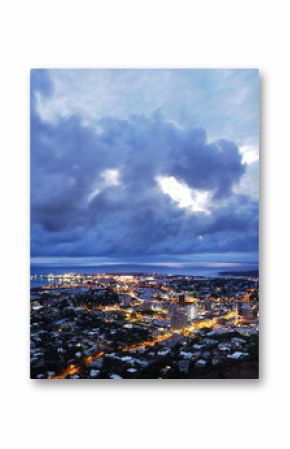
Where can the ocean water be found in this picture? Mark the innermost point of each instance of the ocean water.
(211, 270)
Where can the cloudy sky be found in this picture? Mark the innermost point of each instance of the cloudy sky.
(144, 164)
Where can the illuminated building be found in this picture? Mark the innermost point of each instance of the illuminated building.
(181, 316)
(191, 312)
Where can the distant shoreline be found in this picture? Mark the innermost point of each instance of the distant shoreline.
(254, 273)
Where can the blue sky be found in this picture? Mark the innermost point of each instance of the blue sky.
(144, 164)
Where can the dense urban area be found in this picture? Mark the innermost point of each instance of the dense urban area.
(144, 326)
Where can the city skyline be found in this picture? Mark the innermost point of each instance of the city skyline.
(144, 224)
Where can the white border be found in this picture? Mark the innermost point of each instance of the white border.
(157, 33)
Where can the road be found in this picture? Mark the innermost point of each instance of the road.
(73, 369)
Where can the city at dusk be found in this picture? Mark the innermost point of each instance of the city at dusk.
(144, 224)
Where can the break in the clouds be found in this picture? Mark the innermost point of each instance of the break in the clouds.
(144, 163)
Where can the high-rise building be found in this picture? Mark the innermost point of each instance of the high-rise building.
(191, 312)
(181, 315)
(181, 298)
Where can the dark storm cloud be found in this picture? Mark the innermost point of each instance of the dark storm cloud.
(80, 209)
(208, 166)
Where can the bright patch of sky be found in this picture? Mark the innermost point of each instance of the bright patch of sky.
(194, 200)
